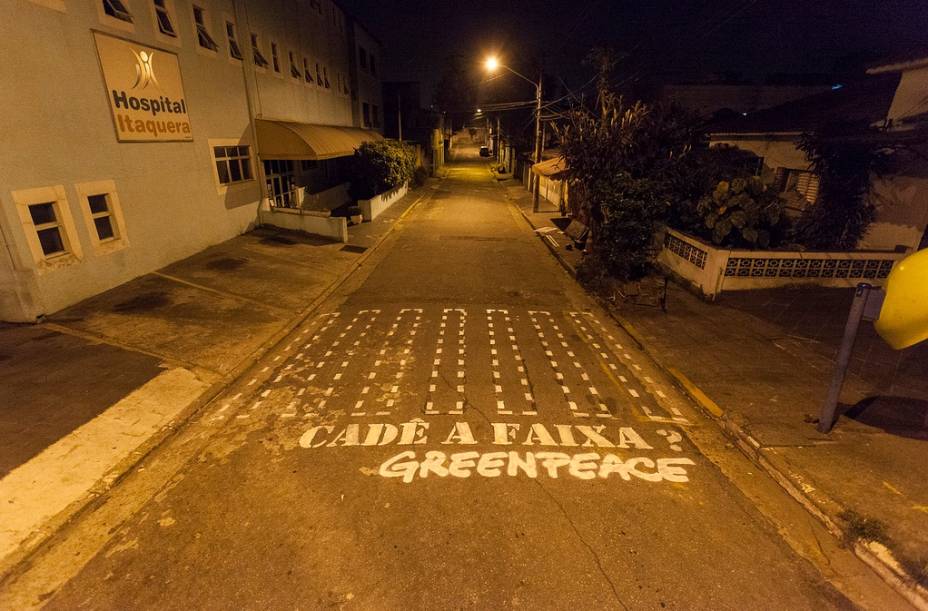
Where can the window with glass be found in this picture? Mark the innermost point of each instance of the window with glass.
(294, 70)
(102, 215)
(117, 9)
(163, 15)
(233, 163)
(325, 77)
(48, 228)
(234, 50)
(307, 75)
(275, 57)
(259, 58)
(204, 39)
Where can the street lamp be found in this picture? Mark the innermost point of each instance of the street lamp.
(491, 64)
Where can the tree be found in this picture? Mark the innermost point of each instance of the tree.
(620, 156)
(844, 159)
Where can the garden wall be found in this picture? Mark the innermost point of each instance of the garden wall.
(712, 270)
(307, 221)
(328, 199)
(374, 207)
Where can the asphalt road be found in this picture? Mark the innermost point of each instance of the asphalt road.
(458, 427)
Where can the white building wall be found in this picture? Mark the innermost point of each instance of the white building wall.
(57, 131)
(911, 97)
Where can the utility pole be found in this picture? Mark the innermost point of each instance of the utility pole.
(499, 140)
(538, 142)
(399, 115)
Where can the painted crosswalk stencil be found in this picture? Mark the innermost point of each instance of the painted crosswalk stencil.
(450, 361)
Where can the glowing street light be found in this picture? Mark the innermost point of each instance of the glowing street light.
(491, 63)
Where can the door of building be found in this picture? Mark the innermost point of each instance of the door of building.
(278, 174)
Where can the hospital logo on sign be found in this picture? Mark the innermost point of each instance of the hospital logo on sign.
(145, 91)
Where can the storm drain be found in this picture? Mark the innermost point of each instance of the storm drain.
(353, 248)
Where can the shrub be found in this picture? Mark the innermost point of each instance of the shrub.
(632, 213)
(742, 213)
(697, 175)
(381, 166)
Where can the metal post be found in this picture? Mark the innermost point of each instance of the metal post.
(538, 142)
(826, 419)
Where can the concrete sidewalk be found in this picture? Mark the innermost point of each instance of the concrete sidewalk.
(760, 363)
(86, 393)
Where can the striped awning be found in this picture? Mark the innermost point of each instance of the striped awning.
(288, 140)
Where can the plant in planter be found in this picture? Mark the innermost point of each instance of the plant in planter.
(743, 212)
(381, 166)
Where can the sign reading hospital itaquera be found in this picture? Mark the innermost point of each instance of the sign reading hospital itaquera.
(145, 91)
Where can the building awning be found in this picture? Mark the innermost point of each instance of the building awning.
(287, 140)
(551, 167)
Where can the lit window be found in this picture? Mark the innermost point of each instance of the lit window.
(48, 228)
(325, 77)
(259, 57)
(102, 216)
(275, 57)
(165, 25)
(203, 37)
(306, 73)
(294, 70)
(233, 163)
(117, 10)
(234, 50)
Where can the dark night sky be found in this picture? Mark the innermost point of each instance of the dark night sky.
(684, 38)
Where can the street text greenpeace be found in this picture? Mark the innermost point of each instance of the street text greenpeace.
(541, 451)
(588, 465)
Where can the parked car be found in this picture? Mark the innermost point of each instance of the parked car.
(484, 151)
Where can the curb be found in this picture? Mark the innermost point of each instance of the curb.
(825, 509)
(33, 545)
